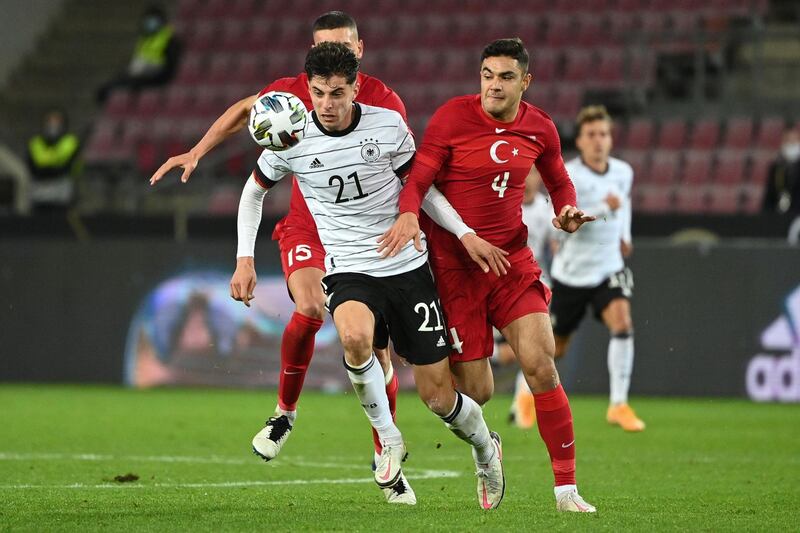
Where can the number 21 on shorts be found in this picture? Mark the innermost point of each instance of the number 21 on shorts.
(301, 252)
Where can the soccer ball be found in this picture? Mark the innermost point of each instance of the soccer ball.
(277, 120)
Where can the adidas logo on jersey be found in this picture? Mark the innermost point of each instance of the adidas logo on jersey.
(316, 163)
(441, 342)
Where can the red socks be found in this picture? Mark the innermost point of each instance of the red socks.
(297, 347)
(391, 393)
(554, 419)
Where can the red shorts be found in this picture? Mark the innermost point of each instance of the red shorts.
(473, 302)
(300, 247)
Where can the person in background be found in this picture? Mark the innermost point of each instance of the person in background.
(155, 57)
(782, 192)
(53, 162)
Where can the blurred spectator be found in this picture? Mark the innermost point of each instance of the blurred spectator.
(14, 182)
(155, 57)
(782, 194)
(53, 162)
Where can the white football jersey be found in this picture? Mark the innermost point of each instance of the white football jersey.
(538, 216)
(592, 254)
(349, 183)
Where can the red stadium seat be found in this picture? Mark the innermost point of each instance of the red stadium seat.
(653, 198)
(191, 69)
(664, 167)
(578, 64)
(730, 167)
(697, 167)
(178, 101)
(220, 69)
(691, 199)
(543, 65)
(560, 30)
(638, 160)
(672, 134)
(149, 102)
(705, 134)
(610, 68)
(738, 133)
(753, 196)
(760, 162)
(204, 38)
(640, 134)
(234, 36)
(120, 104)
(770, 133)
(619, 25)
(724, 199)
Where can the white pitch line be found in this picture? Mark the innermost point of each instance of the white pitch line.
(417, 473)
(424, 474)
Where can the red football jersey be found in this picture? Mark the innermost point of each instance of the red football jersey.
(480, 165)
(372, 92)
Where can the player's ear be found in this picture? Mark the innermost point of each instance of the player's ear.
(527, 79)
(356, 88)
(360, 49)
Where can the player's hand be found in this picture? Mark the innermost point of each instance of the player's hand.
(405, 228)
(244, 280)
(486, 255)
(187, 161)
(571, 218)
(626, 248)
(613, 201)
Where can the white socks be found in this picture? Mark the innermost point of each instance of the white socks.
(620, 366)
(369, 384)
(291, 415)
(466, 421)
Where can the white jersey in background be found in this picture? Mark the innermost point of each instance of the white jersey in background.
(538, 216)
(349, 183)
(592, 254)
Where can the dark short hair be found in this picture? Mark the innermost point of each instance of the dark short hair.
(333, 20)
(332, 59)
(591, 113)
(513, 48)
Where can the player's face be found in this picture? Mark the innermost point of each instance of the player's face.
(333, 101)
(346, 36)
(502, 85)
(594, 141)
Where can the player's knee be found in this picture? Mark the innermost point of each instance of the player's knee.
(356, 342)
(480, 392)
(542, 375)
(311, 307)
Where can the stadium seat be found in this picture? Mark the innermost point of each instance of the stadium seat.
(149, 102)
(705, 134)
(640, 134)
(691, 199)
(191, 69)
(697, 167)
(638, 160)
(566, 101)
(233, 38)
(752, 198)
(220, 68)
(723, 199)
(543, 65)
(610, 68)
(769, 133)
(730, 167)
(672, 134)
(738, 133)
(120, 104)
(619, 25)
(178, 101)
(560, 30)
(103, 141)
(591, 29)
(760, 161)
(664, 167)
(204, 37)
(577, 64)
(653, 199)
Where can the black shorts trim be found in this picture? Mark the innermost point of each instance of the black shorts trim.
(406, 308)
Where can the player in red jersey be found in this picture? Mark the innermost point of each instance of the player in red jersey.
(302, 254)
(478, 150)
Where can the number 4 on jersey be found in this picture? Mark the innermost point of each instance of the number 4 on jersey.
(501, 186)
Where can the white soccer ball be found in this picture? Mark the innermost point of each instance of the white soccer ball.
(277, 120)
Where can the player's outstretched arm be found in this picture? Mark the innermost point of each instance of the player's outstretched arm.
(248, 220)
(570, 218)
(231, 121)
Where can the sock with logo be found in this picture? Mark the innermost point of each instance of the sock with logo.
(466, 421)
(392, 386)
(297, 347)
(370, 387)
(554, 419)
(620, 366)
(291, 415)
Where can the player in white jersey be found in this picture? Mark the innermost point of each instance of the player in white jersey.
(349, 168)
(589, 267)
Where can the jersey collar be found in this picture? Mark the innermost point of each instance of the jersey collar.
(348, 129)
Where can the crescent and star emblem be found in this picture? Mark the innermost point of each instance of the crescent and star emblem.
(493, 152)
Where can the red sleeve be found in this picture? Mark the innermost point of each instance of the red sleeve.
(554, 174)
(392, 101)
(431, 155)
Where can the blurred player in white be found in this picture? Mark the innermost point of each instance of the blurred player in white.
(537, 211)
(589, 267)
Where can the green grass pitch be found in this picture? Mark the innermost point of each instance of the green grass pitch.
(713, 465)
